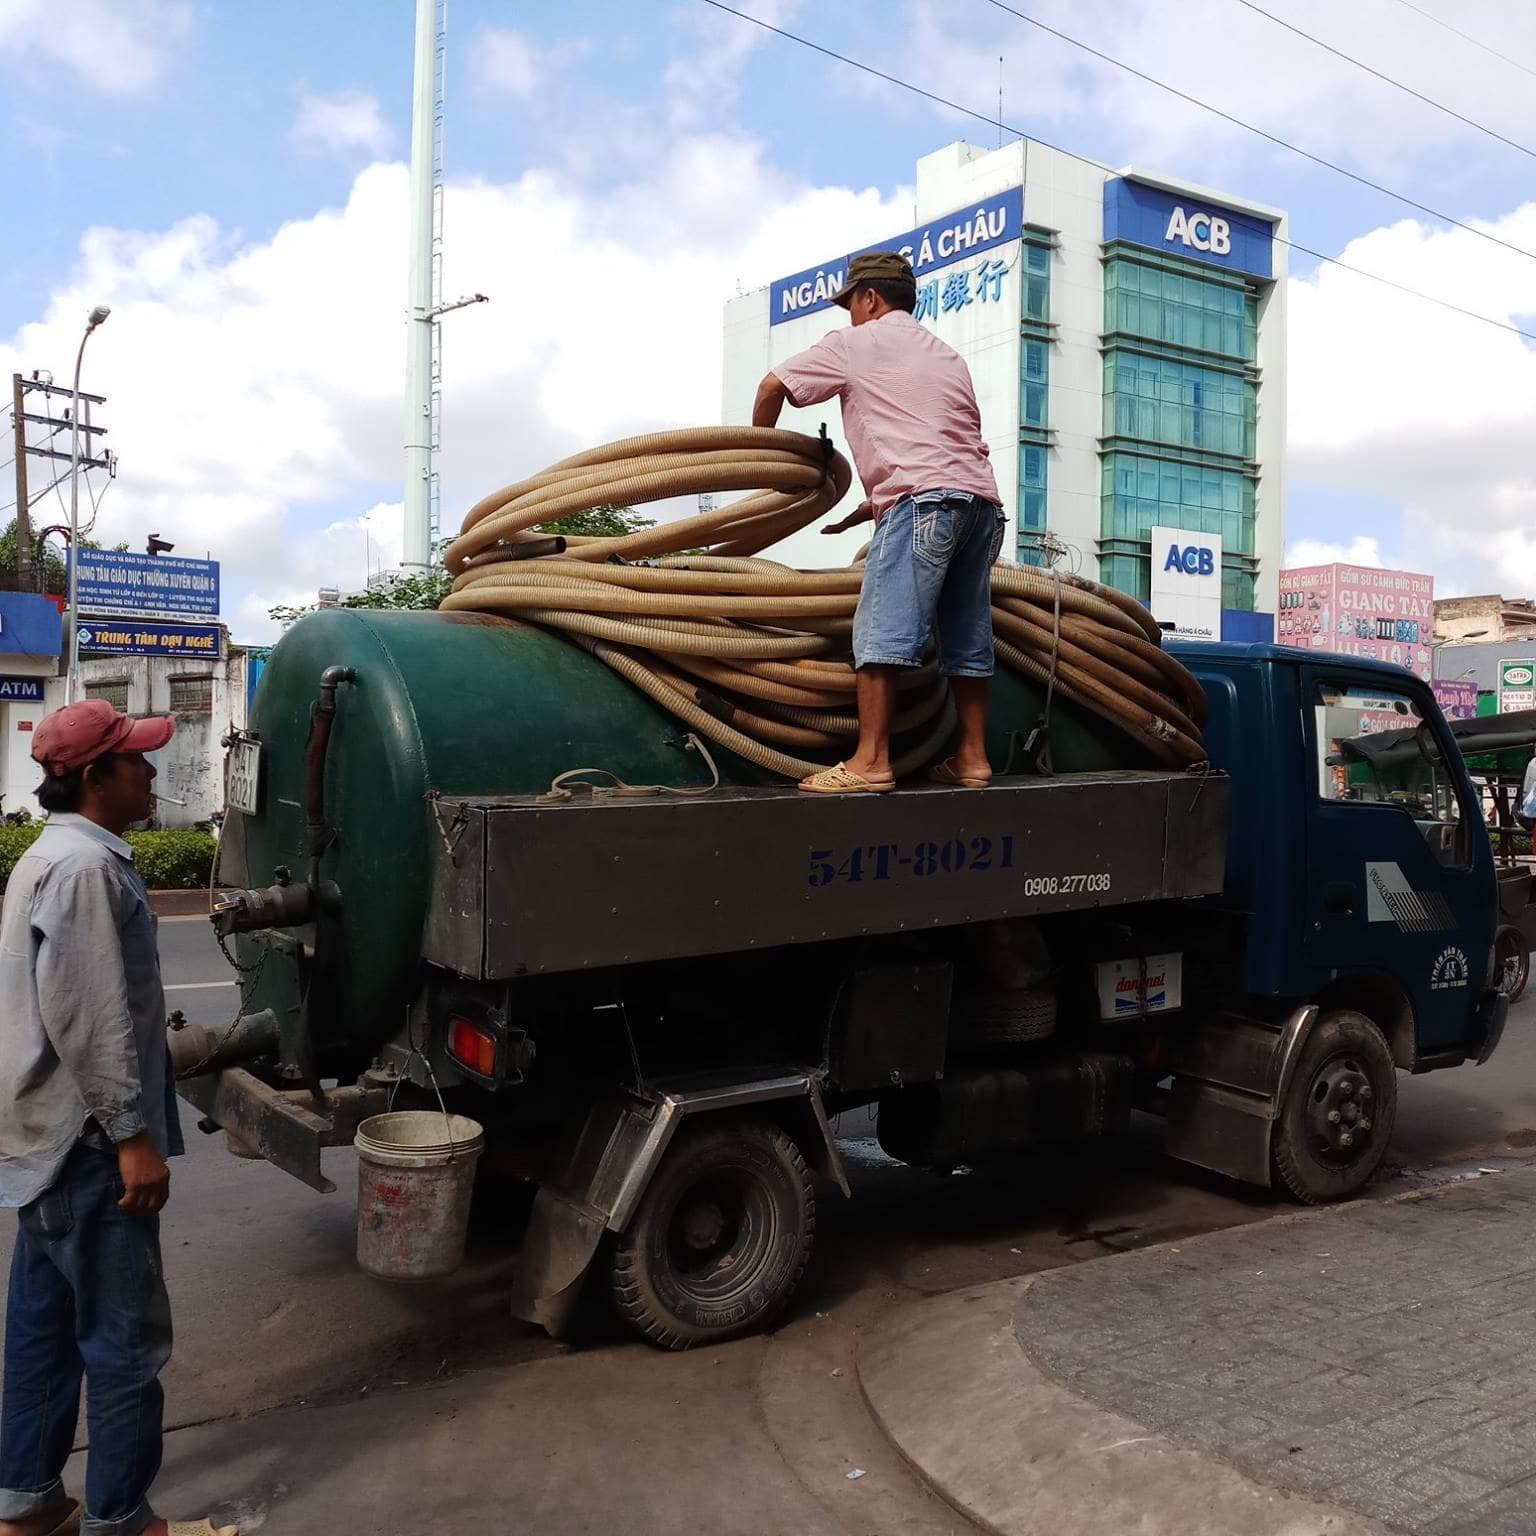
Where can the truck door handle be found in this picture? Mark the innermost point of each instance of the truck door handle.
(1339, 897)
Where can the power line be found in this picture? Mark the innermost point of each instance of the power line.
(1466, 37)
(991, 121)
(1349, 58)
(1295, 149)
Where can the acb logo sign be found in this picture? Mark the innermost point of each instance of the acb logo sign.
(1201, 231)
(1191, 560)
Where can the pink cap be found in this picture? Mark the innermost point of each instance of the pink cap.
(78, 734)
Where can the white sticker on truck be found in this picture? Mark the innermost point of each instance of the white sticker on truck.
(1389, 898)
(1140, 985)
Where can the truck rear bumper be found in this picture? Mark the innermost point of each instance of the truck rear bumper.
(287, 1127)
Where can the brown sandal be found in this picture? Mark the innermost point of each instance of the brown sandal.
(944, 773)
(841, 780)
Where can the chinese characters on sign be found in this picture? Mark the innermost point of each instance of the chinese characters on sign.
(934, 297)
(956, 237)
(1353, 610)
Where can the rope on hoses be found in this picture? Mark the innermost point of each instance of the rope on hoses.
(753, 655)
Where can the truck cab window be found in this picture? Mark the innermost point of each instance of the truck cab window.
(1374, 748)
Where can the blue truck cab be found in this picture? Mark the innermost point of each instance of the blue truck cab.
(1360, 904)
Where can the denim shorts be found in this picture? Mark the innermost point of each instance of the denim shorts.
(930, 567)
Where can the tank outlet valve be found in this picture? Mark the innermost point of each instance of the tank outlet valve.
(278, 906)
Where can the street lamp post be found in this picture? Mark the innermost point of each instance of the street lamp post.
(72, 664)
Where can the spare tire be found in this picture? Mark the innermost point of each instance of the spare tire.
(1002, 1016)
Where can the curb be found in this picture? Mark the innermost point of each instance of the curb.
(949, 1382)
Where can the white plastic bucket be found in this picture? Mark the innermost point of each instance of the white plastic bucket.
(415, 1175)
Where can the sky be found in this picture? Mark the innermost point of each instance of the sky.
(231, 179)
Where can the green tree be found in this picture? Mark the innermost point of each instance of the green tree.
(55, 575)
(599, 523)
(428, 588)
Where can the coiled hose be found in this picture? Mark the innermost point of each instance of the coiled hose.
(754, 655)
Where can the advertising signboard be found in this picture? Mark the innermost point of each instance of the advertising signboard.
(134, 637)
(1517, 685)
(958, 235)
(120, 581)
(29, 625)
(1457, 698)
(21, 690)
(1182, 225)
(1186, 582)
(1356, 610)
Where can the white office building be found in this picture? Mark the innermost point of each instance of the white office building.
(1126, 335)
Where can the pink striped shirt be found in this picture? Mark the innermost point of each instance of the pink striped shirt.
(909, 409)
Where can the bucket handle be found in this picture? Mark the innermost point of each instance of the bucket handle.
(426, 1061)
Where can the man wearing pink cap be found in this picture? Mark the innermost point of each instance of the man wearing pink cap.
(87, 1120)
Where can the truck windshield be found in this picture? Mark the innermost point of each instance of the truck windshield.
(1374, 747)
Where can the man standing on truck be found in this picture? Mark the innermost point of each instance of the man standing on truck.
(914, 428)
(87, 1120)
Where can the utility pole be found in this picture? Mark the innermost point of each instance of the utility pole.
(76, 420)
(424, 294)
(416, 552)
(72, 640)
(23, 518)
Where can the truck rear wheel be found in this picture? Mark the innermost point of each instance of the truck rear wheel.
(1337, 1117)
(720, 1238)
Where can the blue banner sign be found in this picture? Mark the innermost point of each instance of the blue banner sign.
(966, 232)
(117, 581)
(21, 690)
(133, 637)
(30, 625)
(1183, 225)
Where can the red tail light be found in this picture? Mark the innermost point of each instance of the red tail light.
(472, 1046)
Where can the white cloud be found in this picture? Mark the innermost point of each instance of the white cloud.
(1404, 401)
(508, 63)
(1293, 89)
(340, 122)
(1359, 551)
(117, 47)
(255, 392)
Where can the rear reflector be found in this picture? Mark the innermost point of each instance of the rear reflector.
(472, 1047)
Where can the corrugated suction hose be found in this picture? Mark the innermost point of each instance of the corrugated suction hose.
(754, 655)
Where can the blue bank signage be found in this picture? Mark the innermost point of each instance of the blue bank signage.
(29, 625)
(116, 581)
(1181, 225)
(958, 235)
(135, 637)
(21, 690)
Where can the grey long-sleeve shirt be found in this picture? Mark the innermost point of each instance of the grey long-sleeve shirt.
(82, 1009)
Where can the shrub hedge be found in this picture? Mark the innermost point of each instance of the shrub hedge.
(178, 861)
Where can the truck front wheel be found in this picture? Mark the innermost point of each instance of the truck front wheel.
(1338, 1113)
(720, 1238)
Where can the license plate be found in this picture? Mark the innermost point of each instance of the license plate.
(242, 777)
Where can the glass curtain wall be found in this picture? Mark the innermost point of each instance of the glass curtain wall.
(1180, 413)
(1034, 392)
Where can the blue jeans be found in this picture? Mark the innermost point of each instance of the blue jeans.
(87, 1298)
(930, 567)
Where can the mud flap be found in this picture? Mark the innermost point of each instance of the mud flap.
(557, 1251)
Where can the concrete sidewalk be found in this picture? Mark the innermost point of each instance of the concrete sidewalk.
(1365, 1368)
